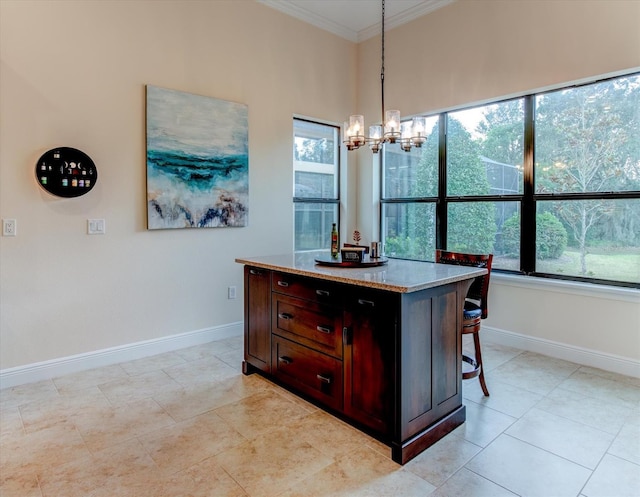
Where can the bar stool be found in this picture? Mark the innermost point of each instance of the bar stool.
(475, 307)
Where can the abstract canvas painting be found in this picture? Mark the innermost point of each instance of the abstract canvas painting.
(197, 161)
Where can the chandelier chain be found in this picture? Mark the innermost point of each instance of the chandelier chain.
(382, 66)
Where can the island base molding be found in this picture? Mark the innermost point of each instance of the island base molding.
(403, 453)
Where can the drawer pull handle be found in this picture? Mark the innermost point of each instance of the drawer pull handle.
(255, 271)
(345, 336)
(323, 329)
(285, 360)
(323, 293)
(324, 379)
(366, 302)
(283, 283)
(285, 316)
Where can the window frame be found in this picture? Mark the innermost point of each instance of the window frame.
(318, 200)
(528, 199)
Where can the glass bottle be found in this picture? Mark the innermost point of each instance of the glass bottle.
(334, 241)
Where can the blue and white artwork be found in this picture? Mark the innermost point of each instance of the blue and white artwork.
(197, 161)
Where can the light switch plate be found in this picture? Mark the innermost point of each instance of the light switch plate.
(96, 227)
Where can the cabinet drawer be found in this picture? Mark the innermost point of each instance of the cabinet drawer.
(306, 288)
(314, 325)
(371, 300)
(311, 372)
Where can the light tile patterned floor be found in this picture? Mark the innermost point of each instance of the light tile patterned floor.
(188, 423)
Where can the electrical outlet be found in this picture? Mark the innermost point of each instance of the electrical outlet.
(231, 292)
(96, 227)
(9, 227)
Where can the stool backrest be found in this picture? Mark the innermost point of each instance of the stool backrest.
(479, 289)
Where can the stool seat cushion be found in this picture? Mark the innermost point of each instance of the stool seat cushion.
(472, 311)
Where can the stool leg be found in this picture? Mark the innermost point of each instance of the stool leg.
(476, 343)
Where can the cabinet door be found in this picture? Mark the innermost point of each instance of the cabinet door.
(257, 319)
(430, 371)
(369, 357)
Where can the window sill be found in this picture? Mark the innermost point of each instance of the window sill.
(567, 287)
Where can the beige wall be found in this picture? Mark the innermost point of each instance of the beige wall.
(474, 51)
(73, 74)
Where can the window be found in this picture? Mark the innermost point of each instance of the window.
(316, 197)
(549, 183)
(484, 171)
(587, 180)
(410, 190)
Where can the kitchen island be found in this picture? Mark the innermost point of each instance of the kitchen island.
(380, 347)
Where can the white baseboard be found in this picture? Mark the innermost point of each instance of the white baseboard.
(58, 367)
(579, 355)
(46, 370)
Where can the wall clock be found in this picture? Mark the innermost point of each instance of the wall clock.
(66, 172)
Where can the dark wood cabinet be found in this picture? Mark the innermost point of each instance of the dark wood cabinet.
(387, 361)
(257, 319)
(318, 326)
(306, 328)
(311, 372)
(429, 363)
(369, 340)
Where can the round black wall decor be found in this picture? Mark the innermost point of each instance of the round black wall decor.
(66, 172)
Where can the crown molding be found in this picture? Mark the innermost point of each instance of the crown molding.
(402, 18)
(295, 10)
(307, 16)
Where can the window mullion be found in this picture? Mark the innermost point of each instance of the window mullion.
(441, 204)
(528, 217)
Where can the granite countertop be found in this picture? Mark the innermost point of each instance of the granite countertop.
(397, 275)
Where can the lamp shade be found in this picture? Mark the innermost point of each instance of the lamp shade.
(392, 121)
(356, 125)
(375, 132)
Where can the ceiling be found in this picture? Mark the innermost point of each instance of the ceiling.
(355, 20)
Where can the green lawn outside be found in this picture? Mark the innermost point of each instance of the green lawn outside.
(616, 265)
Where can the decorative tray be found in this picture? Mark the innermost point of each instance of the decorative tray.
(338, 262)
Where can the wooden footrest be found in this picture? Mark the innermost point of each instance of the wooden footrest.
(475, 371)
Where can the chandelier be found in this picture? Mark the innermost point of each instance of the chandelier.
(407, 134)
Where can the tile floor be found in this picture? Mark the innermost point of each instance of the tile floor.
(188, 423)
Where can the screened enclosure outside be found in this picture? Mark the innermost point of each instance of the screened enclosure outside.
(412, 174)
(473, 228)
(316, 189)
(485, 150)
(484, 160)
(409, 230)
(313, 225)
